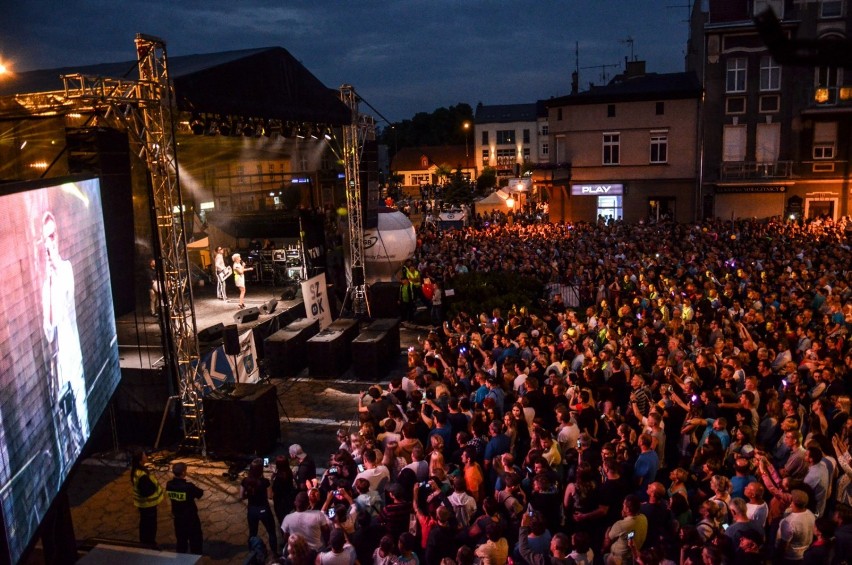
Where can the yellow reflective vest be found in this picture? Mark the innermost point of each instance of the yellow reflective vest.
(153, 499)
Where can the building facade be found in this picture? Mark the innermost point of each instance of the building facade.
(422, 167)
(510, 138)
(776, 136)
(628, 150)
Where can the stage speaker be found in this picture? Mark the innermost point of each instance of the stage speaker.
(357, 276)
(212, 333)
(243, 422)
(232, 340)
(247, 315)
(289, 293)
(269, 307)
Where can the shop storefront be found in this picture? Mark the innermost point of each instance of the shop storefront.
(749, 201)
(605, 198)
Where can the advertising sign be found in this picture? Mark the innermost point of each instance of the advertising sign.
(598, 189)
(315, 295)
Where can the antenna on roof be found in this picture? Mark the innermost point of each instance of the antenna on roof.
(629, 41)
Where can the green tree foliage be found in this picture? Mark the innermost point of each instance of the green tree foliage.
(487, 180)
(457, 190)
(444, 126)
(482, 292)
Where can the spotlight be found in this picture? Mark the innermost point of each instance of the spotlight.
(224, 127)
(300, 133)
(196, 125)
(248, 129)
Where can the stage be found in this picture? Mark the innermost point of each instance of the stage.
(140, 344)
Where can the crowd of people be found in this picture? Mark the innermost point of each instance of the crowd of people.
(694, 408)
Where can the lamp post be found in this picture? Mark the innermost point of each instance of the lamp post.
(466, 126)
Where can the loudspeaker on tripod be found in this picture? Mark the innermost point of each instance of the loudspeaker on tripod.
(231, 340)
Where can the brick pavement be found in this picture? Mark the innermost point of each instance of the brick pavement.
(100, 491)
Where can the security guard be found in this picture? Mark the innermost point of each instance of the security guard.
(183, 493)
(147, 495)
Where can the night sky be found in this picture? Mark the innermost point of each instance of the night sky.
(402, 57)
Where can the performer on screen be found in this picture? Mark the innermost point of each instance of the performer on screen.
(67, 384)
(240, 276)
(221, 273)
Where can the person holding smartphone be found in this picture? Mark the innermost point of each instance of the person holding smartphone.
(632, 522)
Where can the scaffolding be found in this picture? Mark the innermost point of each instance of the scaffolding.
(144, 107)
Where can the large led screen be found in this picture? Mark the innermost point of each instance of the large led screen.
(58, 347)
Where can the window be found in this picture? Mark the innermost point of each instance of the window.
(610, 207)
(660, 108)
(559, 114)
(545, 149)
(735, 105)
(545, 129)
(735, 80)
(611, 145)
(826, 80)
(770, 74)
(777, 6)
(771, 103)
(526, 154)
(734, 143)
(526, 136)
(825, 139)
(659, 147)
(484, 138)
(767, 143)
(831, 8)
(610, 110)
(419, 179)
(505, 137)
(506, 157)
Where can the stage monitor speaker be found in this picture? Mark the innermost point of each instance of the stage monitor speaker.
(289, 293)
(232, 340)
(247, 315)
(269, 307)
(244, 422)
(212, 333)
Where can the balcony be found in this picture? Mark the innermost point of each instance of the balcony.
(748, 170)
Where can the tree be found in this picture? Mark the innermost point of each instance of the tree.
(457, 191)
(441, 127)
(487, 180)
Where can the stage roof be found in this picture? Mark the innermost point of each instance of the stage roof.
(264, 83)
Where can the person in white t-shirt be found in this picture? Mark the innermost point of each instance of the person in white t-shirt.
(377, 475)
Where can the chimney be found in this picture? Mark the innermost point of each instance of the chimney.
(634, 69)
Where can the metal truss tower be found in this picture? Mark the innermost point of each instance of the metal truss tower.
(144, 107)
(354, 135)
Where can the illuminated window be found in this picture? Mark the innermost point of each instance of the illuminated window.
(770, 74)
(611, 147)
(505, 136)
(659, 147)
(735, 80)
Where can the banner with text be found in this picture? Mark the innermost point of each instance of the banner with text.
(217, 369)
(315, 295)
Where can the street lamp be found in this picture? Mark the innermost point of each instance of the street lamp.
(466, 126)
